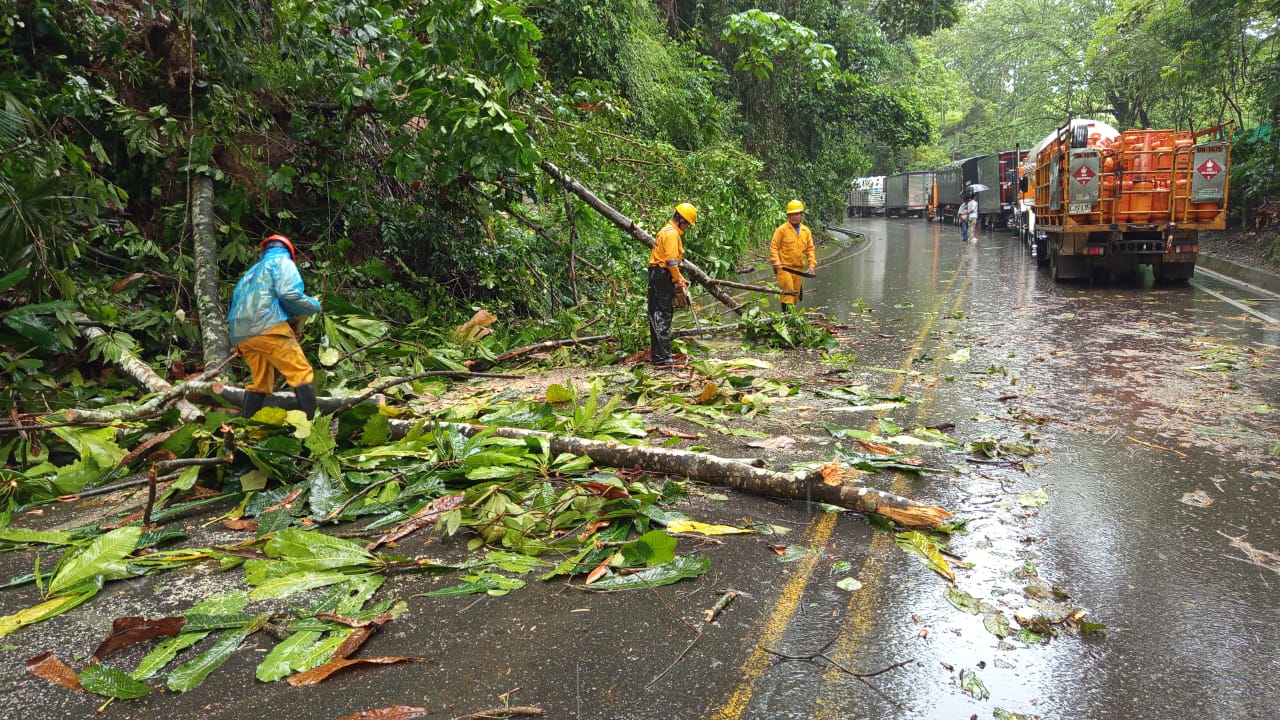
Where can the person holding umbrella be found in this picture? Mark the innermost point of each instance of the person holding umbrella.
(968, 214)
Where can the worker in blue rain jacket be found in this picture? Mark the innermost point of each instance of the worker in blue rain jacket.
(265, 320)
(665, 281)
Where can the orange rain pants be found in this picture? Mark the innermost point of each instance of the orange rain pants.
(276, 349)
(789, 281)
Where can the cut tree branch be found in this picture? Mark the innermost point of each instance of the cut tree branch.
(814, 486)
(629, 225)
(139, 371)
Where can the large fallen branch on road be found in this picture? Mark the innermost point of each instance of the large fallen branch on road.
(139, 372)
(149, 408)
(629, 225)
(822, 485)
(593, 339)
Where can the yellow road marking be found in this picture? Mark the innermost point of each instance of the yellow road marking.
(735, 704)
(831, 702)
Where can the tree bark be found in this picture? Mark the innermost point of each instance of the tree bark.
(213, 325)
(629, 225)
(816, 486)
(140, 372)
(149, 408)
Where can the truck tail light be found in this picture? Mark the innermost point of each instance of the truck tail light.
(1186, 248)
(1095, 250)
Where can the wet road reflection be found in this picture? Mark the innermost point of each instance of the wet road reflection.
(1136, 396)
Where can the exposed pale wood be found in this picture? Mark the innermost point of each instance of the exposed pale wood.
(720, 471)
(139, 371)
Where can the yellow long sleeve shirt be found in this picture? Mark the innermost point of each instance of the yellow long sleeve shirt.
(668, 250)
(790, 248)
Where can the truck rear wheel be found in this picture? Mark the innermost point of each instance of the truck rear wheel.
(1038, 246)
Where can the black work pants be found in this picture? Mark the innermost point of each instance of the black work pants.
(662, 295)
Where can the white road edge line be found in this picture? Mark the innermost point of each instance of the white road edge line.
(1265, 318)
(1237, 282)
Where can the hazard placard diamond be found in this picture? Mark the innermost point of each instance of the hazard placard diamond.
(1209, 169)
(1084, 174)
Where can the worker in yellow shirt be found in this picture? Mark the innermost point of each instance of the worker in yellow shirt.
(791, 245)
(665, 281)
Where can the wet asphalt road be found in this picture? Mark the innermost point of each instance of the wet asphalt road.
(1134, 397)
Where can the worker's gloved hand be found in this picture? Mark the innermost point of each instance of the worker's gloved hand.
(296, 323)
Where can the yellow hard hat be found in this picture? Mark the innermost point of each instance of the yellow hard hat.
(688, 212)
(795, 206)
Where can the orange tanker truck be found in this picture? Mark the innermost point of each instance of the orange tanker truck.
(1109, 202)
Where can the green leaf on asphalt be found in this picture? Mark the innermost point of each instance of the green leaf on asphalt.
(963, 600)
(193, 672)
(47, 609)
(970, 683)
(674, 571)
(300, 651)
(959, 356)
(109, 682)
(297, 582)
(997, 624)
(653, 548)
(559, 394)
(97, 558)
(1033, 499)
(850, 584)
(43, 537)
(926, 550)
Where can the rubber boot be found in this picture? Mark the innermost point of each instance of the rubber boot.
(306, 399)
(252, 403)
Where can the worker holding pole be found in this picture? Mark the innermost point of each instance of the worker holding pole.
(791, 246)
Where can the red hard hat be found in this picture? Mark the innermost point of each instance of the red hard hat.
(283, 240)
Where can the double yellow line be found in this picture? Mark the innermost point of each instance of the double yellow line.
(817, 534)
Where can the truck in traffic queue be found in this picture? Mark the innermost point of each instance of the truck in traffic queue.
(949, 183)
(1110, 202)
(908, 194)
(866, 196)
(998, 204)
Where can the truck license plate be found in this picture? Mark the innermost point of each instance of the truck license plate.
(1081, 208)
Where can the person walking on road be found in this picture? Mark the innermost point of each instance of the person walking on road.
(969, 217)
(665, 281)
(791, 246)
(267, 310)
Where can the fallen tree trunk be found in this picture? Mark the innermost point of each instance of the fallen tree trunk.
(149, 408)
(593, 339)
(823, 485)
(629, 225)
(213, 324)
(139, 371)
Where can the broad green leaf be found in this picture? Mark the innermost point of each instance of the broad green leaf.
(43, 611)
(196, 629)
(44, 537)
(559, 394)
(193, 672)
(850, 584)
(110, 682)
(78, 565)
(300, 651)
(964, 601)
(297, 582)
(926, 550)
(97, 444)
(970, 683)
(672, 572)
(317, 550)
(655, 547)
(997, 624)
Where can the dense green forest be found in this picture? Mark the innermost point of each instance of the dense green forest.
(400, 144)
